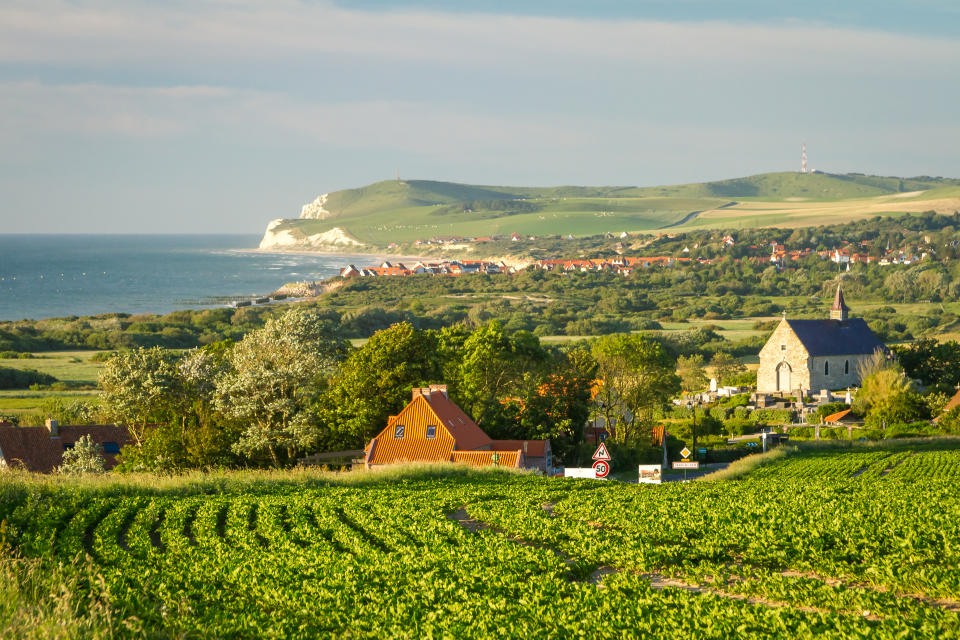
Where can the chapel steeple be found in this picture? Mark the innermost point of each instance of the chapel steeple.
(839, 310)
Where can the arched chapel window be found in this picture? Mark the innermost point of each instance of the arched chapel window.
(846, 368)
(826, 368)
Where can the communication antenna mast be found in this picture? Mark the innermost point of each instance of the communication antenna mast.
(803, 158)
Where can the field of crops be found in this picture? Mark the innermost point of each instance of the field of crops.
(864, 543)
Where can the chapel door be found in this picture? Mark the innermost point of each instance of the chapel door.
(783, 377)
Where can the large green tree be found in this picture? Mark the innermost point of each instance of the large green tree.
(636, 378)
(375, 382)
(491, 367)
(139, 388)
(275, 374)
(887, 396)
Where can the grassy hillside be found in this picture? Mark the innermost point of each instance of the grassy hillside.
(403, 211)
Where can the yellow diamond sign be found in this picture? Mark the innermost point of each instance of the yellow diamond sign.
(685, 453)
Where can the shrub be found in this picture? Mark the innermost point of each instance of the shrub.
(23, 378)
(86, 456)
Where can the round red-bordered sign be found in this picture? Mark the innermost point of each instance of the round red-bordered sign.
(601, 468)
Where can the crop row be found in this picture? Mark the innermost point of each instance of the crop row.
(839, 556)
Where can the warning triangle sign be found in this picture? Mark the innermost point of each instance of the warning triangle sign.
(601, 453)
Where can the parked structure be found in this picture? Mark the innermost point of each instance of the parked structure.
(432, 428)
(40, 449)
(813, 355)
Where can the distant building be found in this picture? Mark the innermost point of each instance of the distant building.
(811, 355)
(432, 428)
(40, 449)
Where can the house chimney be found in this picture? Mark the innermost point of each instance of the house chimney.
(417, 392)
(53, 427)
(442, 388)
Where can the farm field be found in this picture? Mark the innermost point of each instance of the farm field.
(825, 543)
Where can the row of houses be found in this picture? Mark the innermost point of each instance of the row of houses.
(442, 240)
(444, 267)
(618, 264)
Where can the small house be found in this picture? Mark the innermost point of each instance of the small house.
(432, 428)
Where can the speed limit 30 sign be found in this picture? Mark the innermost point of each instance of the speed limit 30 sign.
(601, 468)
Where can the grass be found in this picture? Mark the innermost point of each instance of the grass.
(393, 211)
(72, 367)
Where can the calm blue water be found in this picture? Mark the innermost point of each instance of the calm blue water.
(44, 276)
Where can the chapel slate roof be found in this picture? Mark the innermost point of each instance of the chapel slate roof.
(836, 338)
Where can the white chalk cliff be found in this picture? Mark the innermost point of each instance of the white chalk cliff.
(314, 210)
(295, 238)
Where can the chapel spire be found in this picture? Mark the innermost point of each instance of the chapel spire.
(839, 309)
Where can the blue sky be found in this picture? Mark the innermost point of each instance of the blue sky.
(219, 116)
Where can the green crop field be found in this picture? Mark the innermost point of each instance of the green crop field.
(395, 211)
(820, 544)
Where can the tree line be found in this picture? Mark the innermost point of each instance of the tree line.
(294, 387)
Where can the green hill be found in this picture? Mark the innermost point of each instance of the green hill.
(403, 211)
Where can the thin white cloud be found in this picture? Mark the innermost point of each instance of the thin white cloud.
(118, 34)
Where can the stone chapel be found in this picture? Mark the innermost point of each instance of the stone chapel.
(812, 355)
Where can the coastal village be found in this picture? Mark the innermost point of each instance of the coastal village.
(774, 253)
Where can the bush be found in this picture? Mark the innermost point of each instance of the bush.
(23, 379)
(86, 456)
(772, 416)
(739, 400)
(16, 355)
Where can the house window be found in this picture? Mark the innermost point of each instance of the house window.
(846, 368)
(111, 447)
(826, 368)
(783, 347)
(431, 431)
(398, 431)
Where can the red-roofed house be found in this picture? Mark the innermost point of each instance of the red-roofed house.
(40, 449)
(432, 428)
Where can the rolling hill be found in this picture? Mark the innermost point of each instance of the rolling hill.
(376, 215)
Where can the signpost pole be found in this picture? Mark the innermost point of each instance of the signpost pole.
(666, 463)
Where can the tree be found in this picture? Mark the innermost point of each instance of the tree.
(136, 388)
(86, 456)
(276, 373)
(491, 367)
(931, 362)
(690, 370)
(886, 396)
(725, 366)
(555, 404)
(375, 382)
(636, 377)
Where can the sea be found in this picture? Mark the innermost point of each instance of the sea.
(46, 276)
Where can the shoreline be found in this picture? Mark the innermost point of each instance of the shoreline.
(379, 256)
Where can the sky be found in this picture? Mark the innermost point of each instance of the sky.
(218, 116)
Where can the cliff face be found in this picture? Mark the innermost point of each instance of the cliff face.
(314, 210)
(281, 234)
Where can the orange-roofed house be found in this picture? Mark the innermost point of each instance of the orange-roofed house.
(432, 428)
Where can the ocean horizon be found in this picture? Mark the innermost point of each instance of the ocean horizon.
(62, 275)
